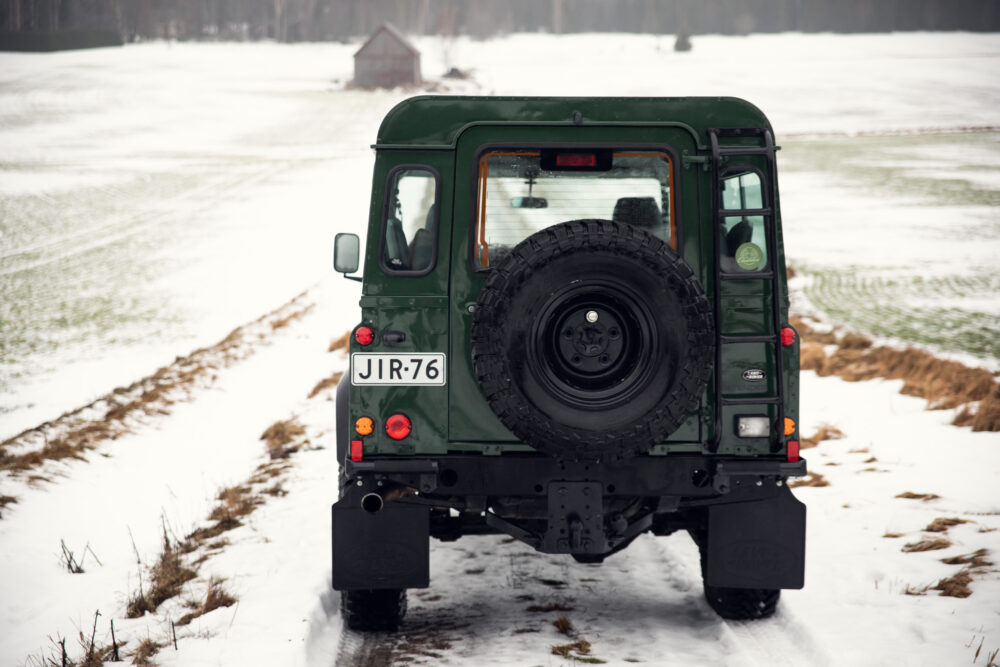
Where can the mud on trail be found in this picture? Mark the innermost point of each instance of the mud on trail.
(493, 600)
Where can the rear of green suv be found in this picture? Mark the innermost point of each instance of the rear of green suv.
(574, 331)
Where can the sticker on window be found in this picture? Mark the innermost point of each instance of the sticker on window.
(749, 256)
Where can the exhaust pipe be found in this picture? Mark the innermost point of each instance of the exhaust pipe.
(374, 502)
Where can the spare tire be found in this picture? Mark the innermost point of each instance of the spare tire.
(592, 340)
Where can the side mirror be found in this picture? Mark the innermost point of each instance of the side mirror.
(346, 254)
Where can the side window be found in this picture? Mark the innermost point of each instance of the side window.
(743, 242)
(410, 237)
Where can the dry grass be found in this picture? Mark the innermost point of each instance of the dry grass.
(812, 357)
(71, 435)
(956, 586)
(982, 417)
(166, 579)
(825, 432)
(812, 479)
(279, 434)
(325, 384)
(340, 343)
(928, 544)
(563, 625)
(852, 341)
(144, 652)
(551, 606)
(578, 651)
(977, 559)
(235, 503)
(942, 383)
(216, 597)
(284, 320)
(910, 495)
(942, 524)
(892, 535)
(4, 501)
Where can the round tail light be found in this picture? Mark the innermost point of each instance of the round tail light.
(364, 335)
(398, 426)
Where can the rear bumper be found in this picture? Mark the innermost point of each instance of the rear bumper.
(690, 477)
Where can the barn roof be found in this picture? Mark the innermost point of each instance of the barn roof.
(395, 33)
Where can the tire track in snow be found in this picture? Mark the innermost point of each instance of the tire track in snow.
(642, 605)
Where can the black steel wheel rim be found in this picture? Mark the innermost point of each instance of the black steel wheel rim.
(594, 344)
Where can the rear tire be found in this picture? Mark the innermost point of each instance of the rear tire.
(373, 610)
(735, 604)
(742, 604)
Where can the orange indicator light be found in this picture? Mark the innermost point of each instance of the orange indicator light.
(364, 426)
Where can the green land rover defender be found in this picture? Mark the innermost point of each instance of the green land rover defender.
(574, 330)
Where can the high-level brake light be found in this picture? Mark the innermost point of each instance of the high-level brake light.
(576, 160)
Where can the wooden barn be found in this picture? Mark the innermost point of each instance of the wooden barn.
(386, 60)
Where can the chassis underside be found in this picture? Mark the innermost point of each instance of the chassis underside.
(749, 526)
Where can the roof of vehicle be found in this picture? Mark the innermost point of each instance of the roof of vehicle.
(436, 121)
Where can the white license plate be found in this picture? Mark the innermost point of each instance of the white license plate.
(402, 369)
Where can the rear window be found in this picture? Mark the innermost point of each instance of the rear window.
(522, 192)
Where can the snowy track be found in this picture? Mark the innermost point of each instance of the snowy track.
(282, 151)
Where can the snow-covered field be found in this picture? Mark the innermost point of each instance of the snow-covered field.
(154, 197)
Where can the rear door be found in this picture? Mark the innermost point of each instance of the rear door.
(471, 423)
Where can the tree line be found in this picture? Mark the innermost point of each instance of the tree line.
(314, 20)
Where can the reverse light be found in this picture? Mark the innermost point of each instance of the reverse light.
(753, 427)
(364, 426)
(357, 450)
(787, 336)
(576, 160)
(364, 335)
(793, 451)
(397, 426)
(789, 426)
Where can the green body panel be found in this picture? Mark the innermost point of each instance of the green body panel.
(448, 134)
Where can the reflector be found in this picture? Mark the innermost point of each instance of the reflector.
(793, 450)
(357, 448)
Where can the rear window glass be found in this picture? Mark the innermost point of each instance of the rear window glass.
(522, 192)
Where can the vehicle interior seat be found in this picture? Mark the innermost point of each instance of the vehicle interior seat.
(641, 212)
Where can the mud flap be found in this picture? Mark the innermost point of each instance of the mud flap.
(759, 544)
(387, 549)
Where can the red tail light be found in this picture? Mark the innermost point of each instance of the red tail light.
(787, 336)
(397, 426)
(364, 335)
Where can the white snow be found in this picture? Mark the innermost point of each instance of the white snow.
(229, 168)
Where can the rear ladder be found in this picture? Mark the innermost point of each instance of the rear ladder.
(765, 147)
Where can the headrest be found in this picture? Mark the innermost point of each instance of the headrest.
(640, 211)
